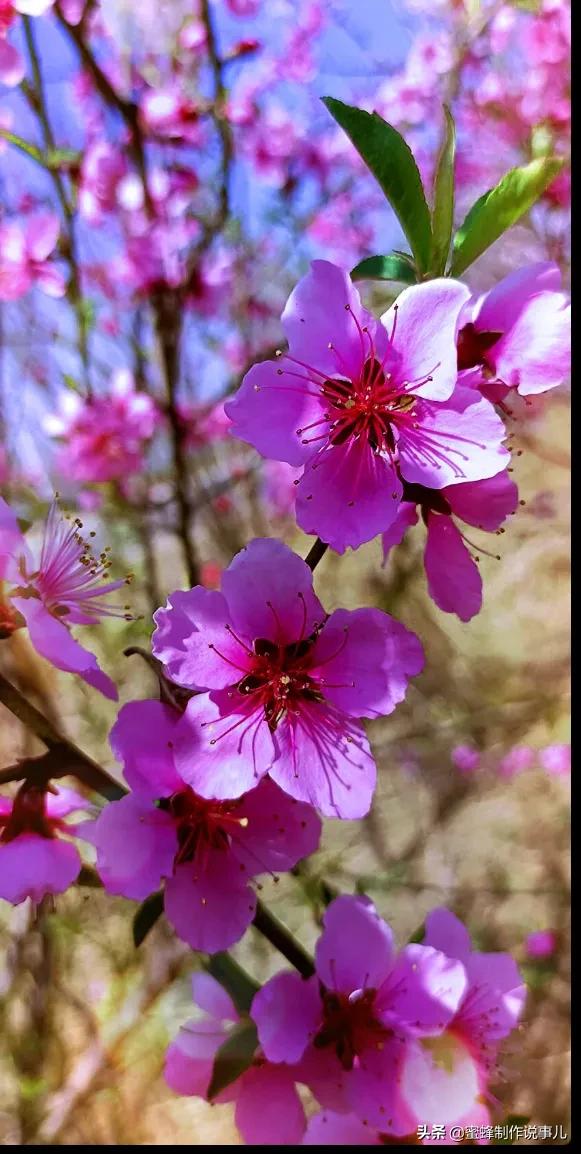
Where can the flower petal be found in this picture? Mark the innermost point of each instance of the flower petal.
(222, 747)
(287, 1012)
(445, 932)
(363, 660)
(355, 950)
(136, 844)
(323, 758)
(187, 627)
(209, 907)
(347, 495)
(453, 442)
(54, 642)
(406, 517)
(268, 1110)
(279, 830)
(454, 581)
(329, 1129)
(269, 591)
(275, 401)
(189, 1060)
(425, 335)
(142, 740)
(423, 991)
(210, 996)
(32, 866)
(485, 504)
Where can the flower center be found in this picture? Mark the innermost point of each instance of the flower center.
(367, 408)
(28, 815)
(201, 824)
(278, 679)
(350, 1026)
(474, 346)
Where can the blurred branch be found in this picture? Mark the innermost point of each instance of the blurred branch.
(37, 101)
(63, 756)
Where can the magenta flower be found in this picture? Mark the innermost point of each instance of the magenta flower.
(556, 759)
(351, 1024)
(516, 761)
(363, 405)
(104, 437)
(268, 1109)
(446, 1081)
(284, 682)
(466, 759)
(59, 590)
(24, 253)
(34, 858)
(454, 581)
(518, 335)
(206, 851)
(541, 944)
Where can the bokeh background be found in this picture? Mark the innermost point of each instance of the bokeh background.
(470, 811)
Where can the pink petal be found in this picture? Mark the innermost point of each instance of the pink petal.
(316, 316)
(32, 7)
(499, 995)
(373, 1089)
(423, 991)
(42, 233)
(355, 950)
(440, 1084)
(347, 495)
(498, 310)
(189, 1060)
(329, 1129)
(425, 335)
(64, 802)
(142, 740)
(136, 845)
(269, 1111)
(454, 580)
(222, 754)
(271, 408)
(406, 517)
(32, 866)
(363, 660)
(535, 355)
(269, 591)
(445, 932)
(287, 1012)
(485, 504)
(209, 906)
(323, 758)
(186, 628)
(54, 642)
(12, 71)
(51, 281)
(453, 442)
(210, 996)
(11, 538)
(280, 830)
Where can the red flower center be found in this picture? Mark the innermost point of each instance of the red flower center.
(201, 824)
(350, 1026)
(474, 346)
(367, 408)
(278, 679)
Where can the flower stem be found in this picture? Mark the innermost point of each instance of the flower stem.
(282, 940)
(315, 554)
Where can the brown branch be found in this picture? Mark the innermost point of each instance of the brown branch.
(65, 756)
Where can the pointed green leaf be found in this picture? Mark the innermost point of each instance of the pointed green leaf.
(147, 915)
(233, 1058)
(500, 208)
(234, 979)
(391, 161)
(418, 935)
(443, 211)
(390, 267)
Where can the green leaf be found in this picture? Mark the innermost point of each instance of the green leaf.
(500, 208)
(233, 1058)
(443, 210)
(147, 915)
(234, 979)
(390, 267)
(391, 161)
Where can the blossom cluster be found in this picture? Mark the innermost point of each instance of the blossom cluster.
(383, 1040)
